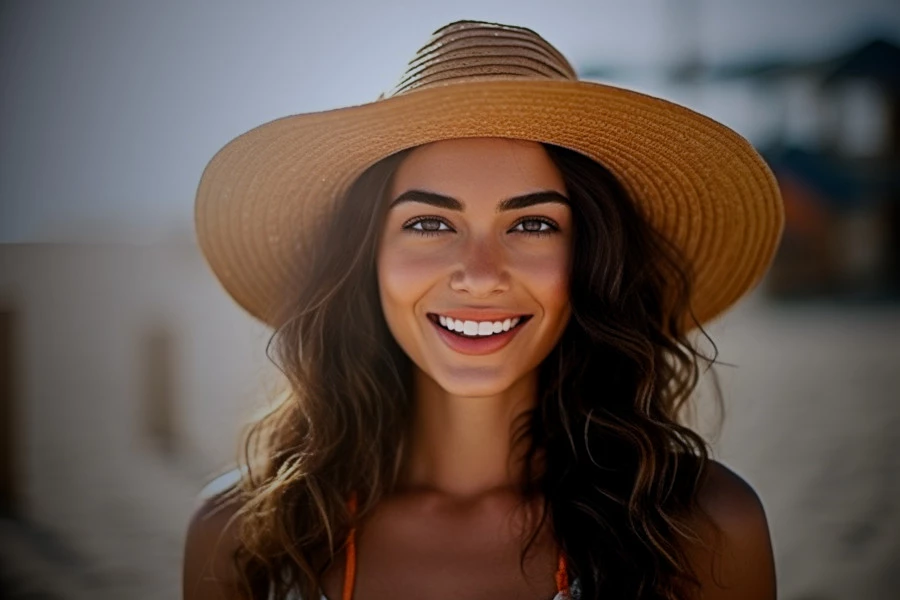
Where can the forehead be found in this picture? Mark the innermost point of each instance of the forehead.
(478, 167)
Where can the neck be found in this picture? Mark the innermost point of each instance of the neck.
(467, 446)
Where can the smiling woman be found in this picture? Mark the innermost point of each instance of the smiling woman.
(479, 232)
(483, 323)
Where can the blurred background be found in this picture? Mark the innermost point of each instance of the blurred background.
(126, 372)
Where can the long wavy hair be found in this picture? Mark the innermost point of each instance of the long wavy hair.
(619, 473)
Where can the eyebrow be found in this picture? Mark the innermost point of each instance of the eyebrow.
(450, 203)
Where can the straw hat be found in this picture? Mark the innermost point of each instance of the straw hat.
(698, 182)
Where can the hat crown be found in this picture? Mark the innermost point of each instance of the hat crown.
(467, 50)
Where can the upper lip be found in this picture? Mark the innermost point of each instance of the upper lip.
(479, 315)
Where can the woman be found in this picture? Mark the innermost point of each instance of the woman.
(483, 288)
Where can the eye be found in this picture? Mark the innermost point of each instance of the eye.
(536, 226)
(427, 226)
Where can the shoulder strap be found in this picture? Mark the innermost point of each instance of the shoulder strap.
(562, 576)
(350, 565)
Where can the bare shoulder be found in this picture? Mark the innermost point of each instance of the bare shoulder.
(211, 540)
(735, 558)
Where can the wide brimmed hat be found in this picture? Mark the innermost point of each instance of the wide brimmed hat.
(699, 183)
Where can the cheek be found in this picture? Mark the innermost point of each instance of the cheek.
(404, 278)
(404, 275)
(547, 276)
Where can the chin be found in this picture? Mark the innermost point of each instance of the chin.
(475, 382)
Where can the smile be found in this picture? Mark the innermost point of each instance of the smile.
(477, 337)
(475, 328)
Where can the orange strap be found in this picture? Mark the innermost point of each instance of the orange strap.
(562, 571)
(350, 567)
(562, 576)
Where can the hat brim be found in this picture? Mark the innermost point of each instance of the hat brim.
(699, 183)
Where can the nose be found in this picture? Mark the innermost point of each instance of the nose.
(482, 270)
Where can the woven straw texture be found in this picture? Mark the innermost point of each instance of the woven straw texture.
(698, 182)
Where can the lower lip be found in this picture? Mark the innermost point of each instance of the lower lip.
(476, 345)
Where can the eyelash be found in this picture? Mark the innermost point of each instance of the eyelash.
(408, 226)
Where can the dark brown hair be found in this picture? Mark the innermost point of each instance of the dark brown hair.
(619, 475)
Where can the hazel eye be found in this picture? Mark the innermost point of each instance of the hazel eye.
(427, 226)
(536, 226)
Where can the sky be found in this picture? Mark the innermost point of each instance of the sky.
(109, 110)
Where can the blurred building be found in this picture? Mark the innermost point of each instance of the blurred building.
(830, 129)
(126, 375)
(836, 153)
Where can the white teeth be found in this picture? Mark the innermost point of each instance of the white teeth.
(477, 328)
